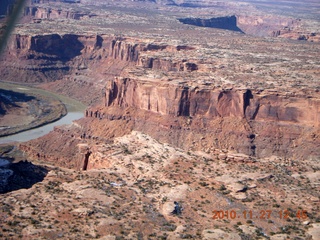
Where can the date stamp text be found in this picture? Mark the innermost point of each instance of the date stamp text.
(262, 214)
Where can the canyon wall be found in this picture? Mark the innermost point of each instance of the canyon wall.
(193, 117)
(46, 58)
(193, 101)
(79, 65)
(51, 13)
(260, 124)
(266, 25)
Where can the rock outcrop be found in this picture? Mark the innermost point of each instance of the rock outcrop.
(193, 101)
(266, 25)
(259, 124)
(37, 13)
(46, 58)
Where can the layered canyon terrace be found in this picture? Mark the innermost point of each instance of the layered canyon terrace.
(226, 94)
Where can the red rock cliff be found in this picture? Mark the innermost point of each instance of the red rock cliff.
(45, 58)
(193, 101)
(252, 122)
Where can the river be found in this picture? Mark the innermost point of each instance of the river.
(75, 111)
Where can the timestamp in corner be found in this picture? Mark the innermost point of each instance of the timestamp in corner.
(262, 214)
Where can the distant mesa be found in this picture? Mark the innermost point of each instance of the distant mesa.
(260, 26)
(227, 23)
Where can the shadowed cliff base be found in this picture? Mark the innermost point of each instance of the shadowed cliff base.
(20, 175)
(227, 23)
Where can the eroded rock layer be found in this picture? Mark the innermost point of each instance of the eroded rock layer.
(144, 89)
(258, 124)
(195, 88)
(45, 58)
(238, 119)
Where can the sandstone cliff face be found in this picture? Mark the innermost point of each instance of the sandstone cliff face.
(266, 26)
(45, 58)
(38, 58)
(51, 13)
(269, 26)
(256, 123)
(191, 102)
(49, 57)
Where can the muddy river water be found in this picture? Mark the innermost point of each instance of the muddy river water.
(75, 111)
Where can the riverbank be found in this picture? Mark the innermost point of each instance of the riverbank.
(23, 108)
